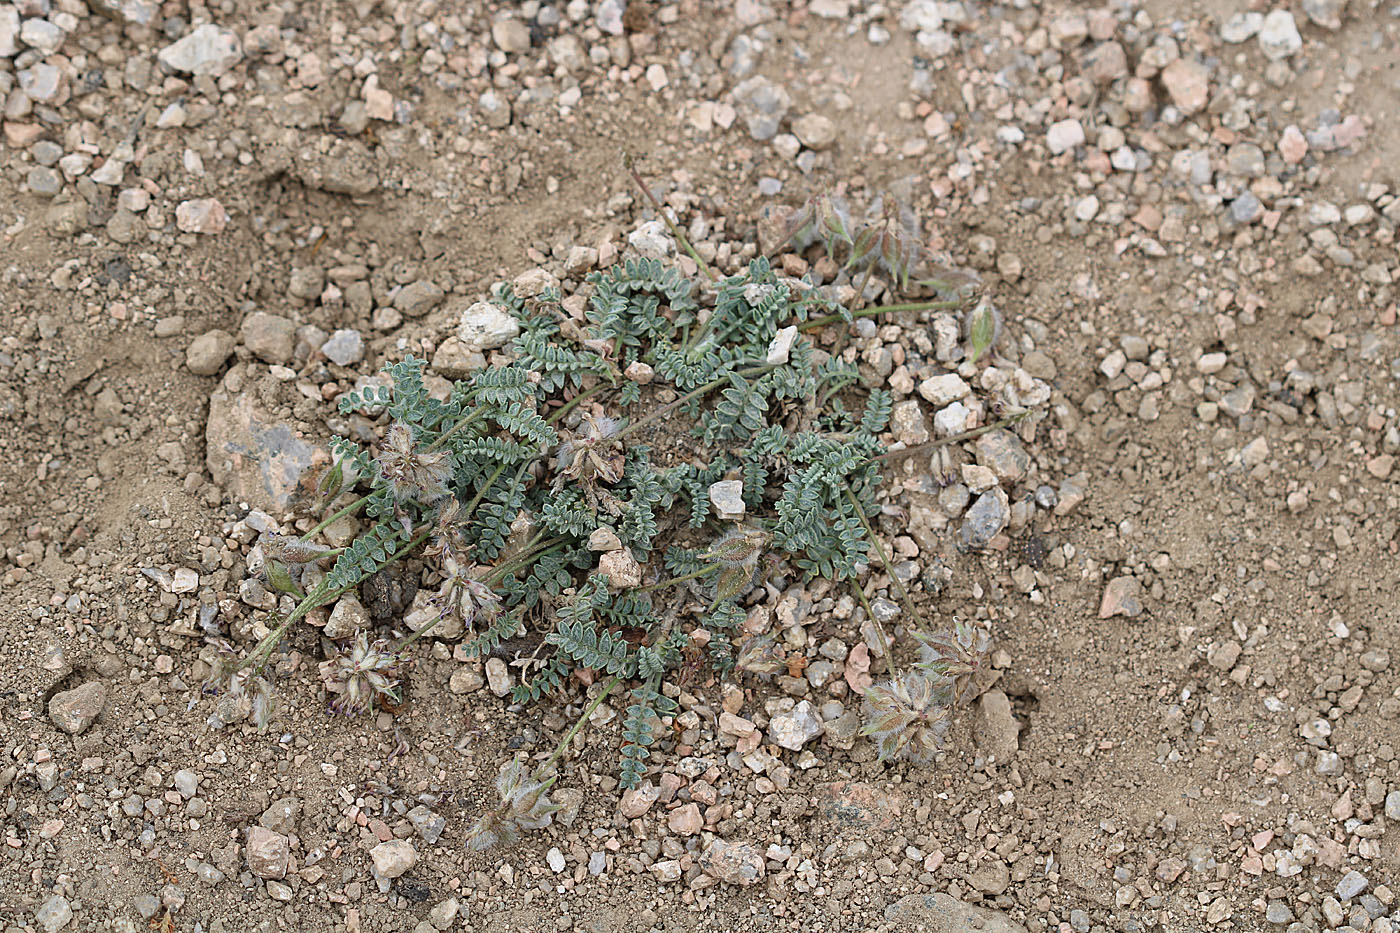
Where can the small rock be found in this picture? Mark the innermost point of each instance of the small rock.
(42, 35)
(555, 859)
(1002, 452)
(652, 240)
(992, 879)
(994, 727)
(1353, 884)
(427, 824)
(484, 326)
(1278, 35)
(1241, 27)
(498, 676)
(984, 520)
(1064, 136)
(270, 337)
(255, 458)
(9, 31)
(45, 182)
(494, 109)
(202, 215)
(667, 871)
(74, 710)
(346, 619)
(281, 815)
(945, 389)
(267, 852)
(207, 50)
(185, 782)
(815, 131)
(686, 820)
(455, 361)
(732, 863)
(418, 298)
(1121, 597)
(511, 35)
(637, 801)
(763, 105)
(1325, 13)
(622, 570)
(941, 913)
(727, 498)
(1188, 84)
(393, 858)
(208, 352)
(54, 914)
(780, 347)
(344, 347)
(795, 728)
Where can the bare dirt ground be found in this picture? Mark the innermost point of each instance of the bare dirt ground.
(1187, 222)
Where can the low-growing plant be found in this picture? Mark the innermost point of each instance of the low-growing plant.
(540, 508)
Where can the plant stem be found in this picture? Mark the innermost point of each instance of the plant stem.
(875, 621)
(955, 439)
(860, 289)
(662, 584)
(884, 559)
(498, 574)
(817, 323)
(340, 514)
(476, 499)
(573, 402)
(319, 596)
(574, 730)
(469, 419)
(671, 224)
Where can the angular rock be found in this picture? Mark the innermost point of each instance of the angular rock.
(861, 807)
(984, 520)
(795, 728)
(733, 863)
(281, 815)
(485, 326)
(940, 913)
(344, 347)
(206, 50)
(418, 298)
(9, 31)
(815, 131)
(763, 105)
(202, 215)
(74, 710)
(267, 852)
(994, 728)
(1002, 453)
(1121, 597)
(1188, 84)
(686, 820)
(393, 858)
(346, 619)
(727, 498)
(54, 915)
(622, 569)
(1063, 136)
(1278, 35)
(255, 458)
(637, 801)
(208, 352)
(270, 337)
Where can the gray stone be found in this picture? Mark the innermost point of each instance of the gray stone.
(1353, 883)
(281, 815)
(209, 351)
(1278, 35)
(426, 823)
(1241, 27)
(497, 676)
(418, 298)
(255, 458)
(186, 783)
(270, 337)
(985, 520)
(207, 50)
(344, 348)
(1002, 453)
(140, 12)
(994, 728)
(733, 863)
(9, 31)
(1121, 597)
(815, 130)
(346, 619)
(727, 497)
(1063, 136)
(267, 852)
(1277, 912)
(44, 181)
(455, 360)
(393, 858)
(485, 326)
(940, 913)
(494, 109)
(74, 710)
(795, 728)
(43, 83)
(511, 35)
(652, 240)
(54, 914)
(1325, 13)
(763, 105)
(42, 35)
(1246, 208)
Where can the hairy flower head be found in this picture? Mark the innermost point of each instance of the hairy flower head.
(525, 805)
(412, 474)
(906, 717)
(363, 677)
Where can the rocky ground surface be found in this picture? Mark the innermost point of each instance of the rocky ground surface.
(216, 219)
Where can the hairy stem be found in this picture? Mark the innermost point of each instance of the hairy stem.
(663, 584)
(340, 514)
(671, 224)
(573, 403)
(574, 730)
(499, 573)
(465, 422)
(884, 559)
